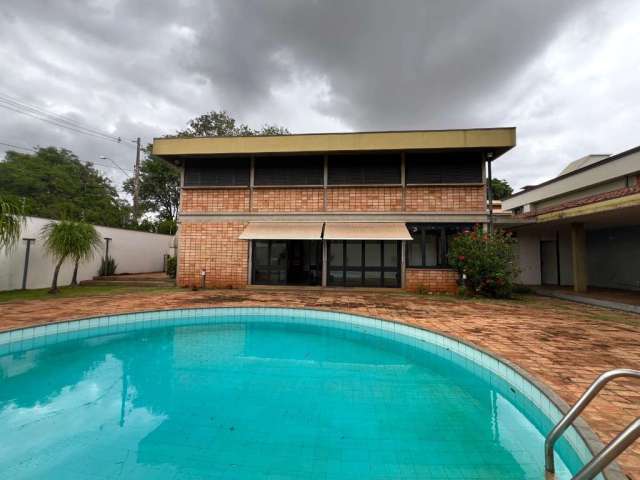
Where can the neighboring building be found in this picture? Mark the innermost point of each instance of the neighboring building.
(371, 209)
(583, 227)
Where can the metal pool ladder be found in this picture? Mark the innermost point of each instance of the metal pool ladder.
(614, 448)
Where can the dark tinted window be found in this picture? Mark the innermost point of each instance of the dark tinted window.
(374, 169)
(372, 263)
(449, 167)
(217, 172)
(430, 244)
(298, 170)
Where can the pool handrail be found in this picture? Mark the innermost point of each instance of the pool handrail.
(614, 448)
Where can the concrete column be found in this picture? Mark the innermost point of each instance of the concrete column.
(403, 180)
(403, 263)
(579, 257)
(325, 181)
(252, 173)
(325, 267)
(250, 262)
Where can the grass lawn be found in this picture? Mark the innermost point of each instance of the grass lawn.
(79, 291)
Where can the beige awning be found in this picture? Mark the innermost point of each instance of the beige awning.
(282, 231)
(366, 231)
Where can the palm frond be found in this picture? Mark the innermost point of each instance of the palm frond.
(11, 222)
(78, 240)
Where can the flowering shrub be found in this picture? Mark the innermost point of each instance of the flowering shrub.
(486, 262)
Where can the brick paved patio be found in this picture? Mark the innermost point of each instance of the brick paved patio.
(562, 344)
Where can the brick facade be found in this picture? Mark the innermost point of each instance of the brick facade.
(213, 200)
(450, 198)
(216, 248)
(339, 199)
(431, 280)
(275, 200)
(364, 199)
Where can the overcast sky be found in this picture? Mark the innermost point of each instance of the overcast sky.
(566, 73)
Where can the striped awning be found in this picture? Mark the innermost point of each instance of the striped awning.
(282, 231)
(366, 231)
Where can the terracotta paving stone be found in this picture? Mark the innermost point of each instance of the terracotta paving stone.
(562, 344)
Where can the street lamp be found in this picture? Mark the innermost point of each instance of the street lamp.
(104, 157)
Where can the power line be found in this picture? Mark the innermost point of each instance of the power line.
(18, 147)
(41, 111)
(31, 149)
(53, 122)
(22, 105)
(41, 114)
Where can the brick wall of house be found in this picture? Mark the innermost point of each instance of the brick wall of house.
(215, 247)
(467, 198)
(431, 280)
(214, 200)
(364, 199)
(275, 200)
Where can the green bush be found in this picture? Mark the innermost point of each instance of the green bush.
(486, 262)
(172, 266)
(107, 267)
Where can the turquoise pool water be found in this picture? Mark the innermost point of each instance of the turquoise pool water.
(242, 394)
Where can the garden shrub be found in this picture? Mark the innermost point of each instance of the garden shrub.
(107, 267)
(172, 266)
(485, 261)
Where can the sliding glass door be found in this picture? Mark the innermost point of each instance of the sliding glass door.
(269, 262)
(287, 262)
(364, 263)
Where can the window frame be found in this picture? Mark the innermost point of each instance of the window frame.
(363, 268)
(443, 164)
(242, 171)
(364, 161)
(442, 231)
(269, 267)
(265, 159)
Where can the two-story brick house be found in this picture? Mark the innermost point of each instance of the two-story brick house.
(373, 209)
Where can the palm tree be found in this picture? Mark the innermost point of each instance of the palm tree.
(11, 222)
(68, 239)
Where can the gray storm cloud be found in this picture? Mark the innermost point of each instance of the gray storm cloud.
(145, 68)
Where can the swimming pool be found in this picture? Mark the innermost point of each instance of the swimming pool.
(251, 393)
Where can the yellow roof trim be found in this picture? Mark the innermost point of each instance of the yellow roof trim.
(490, 138)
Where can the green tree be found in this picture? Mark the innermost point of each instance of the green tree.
(159, 191)
(221, 123)
(500, 188)
(11, 222)
(69, 239)
(53, 183)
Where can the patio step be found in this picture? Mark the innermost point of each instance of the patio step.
(154, 279)
(128, 283)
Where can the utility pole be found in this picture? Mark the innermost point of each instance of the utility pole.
(136, 181)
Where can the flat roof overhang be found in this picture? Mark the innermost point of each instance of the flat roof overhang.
(492, 140)
(616, 212)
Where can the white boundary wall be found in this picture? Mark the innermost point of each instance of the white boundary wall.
(133, 251)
